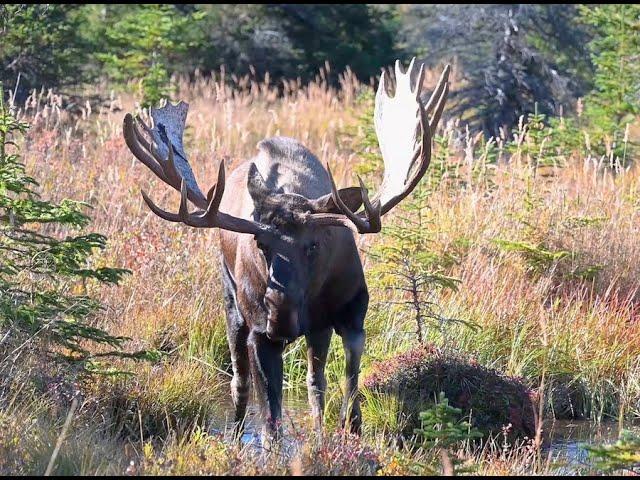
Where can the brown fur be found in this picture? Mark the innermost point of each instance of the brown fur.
(301, 281)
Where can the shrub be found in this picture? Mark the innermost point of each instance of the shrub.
(491, 400)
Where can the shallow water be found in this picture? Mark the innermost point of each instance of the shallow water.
(566, 439)
(295, 415)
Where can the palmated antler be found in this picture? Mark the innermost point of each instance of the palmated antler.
(404, 128)
(165, 157)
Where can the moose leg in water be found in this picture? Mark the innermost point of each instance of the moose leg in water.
(237, 333)
(266, 365)
(349, 325)
(317, 350)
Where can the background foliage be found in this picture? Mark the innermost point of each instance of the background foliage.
(511, 59)
(41, 44)
(510, 55)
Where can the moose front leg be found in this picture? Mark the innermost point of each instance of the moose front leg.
(353, 336)
(266, 366)
(317, 350)
(237, 333)
(353, 343)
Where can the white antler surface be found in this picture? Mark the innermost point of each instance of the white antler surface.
(397, 124)
(404, 127)
(168, 129)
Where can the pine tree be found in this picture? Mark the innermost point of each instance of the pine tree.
(615, 52)
(41, 275)
(141, 42)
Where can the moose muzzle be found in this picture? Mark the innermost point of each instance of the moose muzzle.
(283, 319)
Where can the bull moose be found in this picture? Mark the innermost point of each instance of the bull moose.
(290, 266)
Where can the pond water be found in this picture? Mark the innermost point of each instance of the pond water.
(568, 439)
(565, 439)
(295, 415)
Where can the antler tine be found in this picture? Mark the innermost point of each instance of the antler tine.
(143, 141)
(219, 189)
(215, 195)
(183, 215)
(410, 67)
(419, 80)
(370, 223)
(403, 79)
(214, 190)
(338, 201)
(133, 142)
(209, 217)
(171, 217)
(439, 108)
(398, 70)
(443, 82)
(183, 211)
(144, 124)
(423, 151)
(171, 172)
(372, 210)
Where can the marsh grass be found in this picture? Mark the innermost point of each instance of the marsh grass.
(545, 250)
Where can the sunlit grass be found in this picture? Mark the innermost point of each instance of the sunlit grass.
(573, 315)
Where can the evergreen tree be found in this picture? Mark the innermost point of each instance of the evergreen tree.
(41, 276)
(510, 56)
(144, 42)
(356, 35)
(615, 51)
(442, 429)
(42, 45)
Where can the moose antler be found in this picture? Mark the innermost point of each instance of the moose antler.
(404, 134)
(165, 157)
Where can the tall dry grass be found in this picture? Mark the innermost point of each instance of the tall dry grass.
(582, 328)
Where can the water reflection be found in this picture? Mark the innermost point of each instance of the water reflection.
(565, 445)
(568, 439)
(295, 418)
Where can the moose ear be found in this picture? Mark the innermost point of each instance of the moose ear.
(256, 185)
(351, 196)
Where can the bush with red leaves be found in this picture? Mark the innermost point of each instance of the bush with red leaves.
(491, 400)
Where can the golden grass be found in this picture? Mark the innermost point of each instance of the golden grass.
(529, 318)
